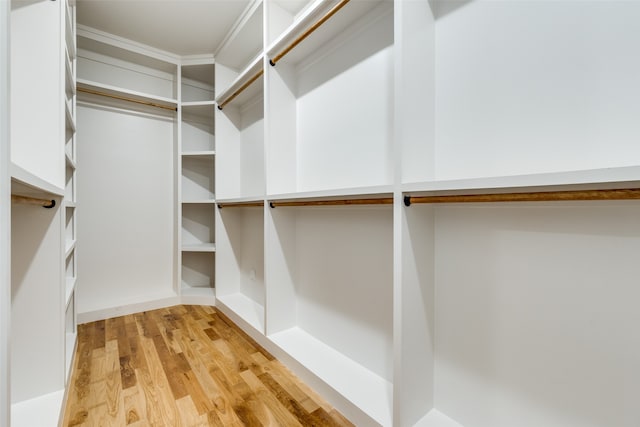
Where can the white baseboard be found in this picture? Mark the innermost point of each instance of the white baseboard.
(123, 310)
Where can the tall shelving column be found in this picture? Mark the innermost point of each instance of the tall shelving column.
(70, 222)
(197, 175)
(39, 115)
(240, 172)
(329, 137)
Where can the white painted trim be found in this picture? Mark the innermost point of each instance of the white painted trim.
(43, 411)
(203, 59)
(121, 42)
(238, 26)
(123, 310)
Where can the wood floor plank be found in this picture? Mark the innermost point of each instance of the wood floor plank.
(184, 366)
(134, 406)
(281, 414)
(115, 404)
(160, 382)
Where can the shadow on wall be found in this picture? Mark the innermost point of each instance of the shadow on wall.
(442, 8)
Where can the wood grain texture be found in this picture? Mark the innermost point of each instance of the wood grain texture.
(186, 366)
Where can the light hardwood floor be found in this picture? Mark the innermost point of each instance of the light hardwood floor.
(184, 366)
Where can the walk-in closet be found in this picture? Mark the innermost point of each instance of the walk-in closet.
(427, 210)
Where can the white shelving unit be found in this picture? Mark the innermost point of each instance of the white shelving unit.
(70, 208)
(42, 166)
(240, 171)
(197, 192)
(438, 306)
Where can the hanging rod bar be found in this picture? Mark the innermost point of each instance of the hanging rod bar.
(551, 196)
(341, 202)
(241, 89)
(125, 98)
(273, 61)
(45, 203)
(240, 205)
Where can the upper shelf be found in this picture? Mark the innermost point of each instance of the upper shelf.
(246, 87)
(105, 44)
(344, 18)
(592, 179)
(244, 41)
(199, 108)
(24, 183)
(375, 192)
(126, 94)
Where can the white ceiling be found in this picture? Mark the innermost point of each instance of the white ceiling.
(183, 27)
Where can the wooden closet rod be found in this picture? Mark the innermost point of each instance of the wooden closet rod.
(341, 202)
(551, 196)
(48, 204)
(233, 96)
(273, 61)
(124, 98)
(241, 205)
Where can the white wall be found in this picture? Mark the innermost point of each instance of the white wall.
(251, 254)
(345, 113)
(536, 314)
(5, 217)
(126, 202)
(526, 87)
(37, 349)
(36, 84)
(344, 262)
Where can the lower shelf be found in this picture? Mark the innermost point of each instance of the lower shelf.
(195, 291)
(365, 389)
(199, 247)
(43, 411)
(245, 308)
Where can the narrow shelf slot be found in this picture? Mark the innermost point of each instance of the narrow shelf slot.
(197, 83)
(198, 273)
(198, 177)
